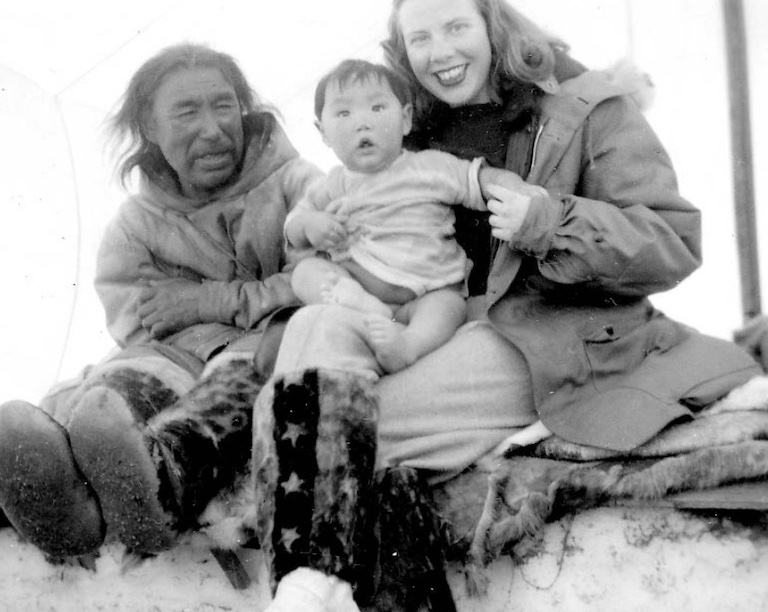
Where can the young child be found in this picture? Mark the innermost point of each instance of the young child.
(380, 224)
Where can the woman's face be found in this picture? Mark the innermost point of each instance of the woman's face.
(448, 49)
(197, 124)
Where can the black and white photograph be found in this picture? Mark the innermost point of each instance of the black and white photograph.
(384, 306)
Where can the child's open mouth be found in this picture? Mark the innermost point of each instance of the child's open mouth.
(365, 143)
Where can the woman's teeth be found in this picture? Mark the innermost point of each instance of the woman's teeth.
(452, 75)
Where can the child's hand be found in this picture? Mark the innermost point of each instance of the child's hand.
(497, 177)
(324, 231)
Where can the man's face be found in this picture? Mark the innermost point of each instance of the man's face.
(364, 123)
(197, 124)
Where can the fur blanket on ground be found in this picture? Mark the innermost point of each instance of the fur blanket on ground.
(724, 444)
(488, 514)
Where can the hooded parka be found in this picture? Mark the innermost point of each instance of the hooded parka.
(231, 244)
(570, 290)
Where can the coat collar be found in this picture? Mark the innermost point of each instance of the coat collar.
(562, 114)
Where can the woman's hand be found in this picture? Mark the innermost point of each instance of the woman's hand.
(509, 208)
(166, 307)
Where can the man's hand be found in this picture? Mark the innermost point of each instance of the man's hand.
(166, 307)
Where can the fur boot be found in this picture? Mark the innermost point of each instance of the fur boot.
(154, 478)
(313, 464)
(320, 506)
(146, 380)
(410, 572)
(42, 492)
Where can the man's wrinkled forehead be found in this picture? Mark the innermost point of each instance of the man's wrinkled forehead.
(193, 88)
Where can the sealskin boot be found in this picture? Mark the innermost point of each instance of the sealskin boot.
(313, 465)
(153, 479)
(411, 547)
(42, 492)
(323, 507)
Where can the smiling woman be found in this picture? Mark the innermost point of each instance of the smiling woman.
(38, 191)
(449, 50)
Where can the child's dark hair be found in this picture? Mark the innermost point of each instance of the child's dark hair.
(356, 70)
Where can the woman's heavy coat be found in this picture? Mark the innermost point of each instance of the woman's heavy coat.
(571, 289)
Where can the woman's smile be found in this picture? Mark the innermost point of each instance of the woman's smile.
(448, 49)
(451, 76)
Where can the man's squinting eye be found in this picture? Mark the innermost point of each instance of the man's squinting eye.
(185, 113)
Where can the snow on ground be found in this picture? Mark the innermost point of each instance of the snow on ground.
(186, 579)
(601, 560)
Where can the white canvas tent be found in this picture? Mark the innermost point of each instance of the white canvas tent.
(63, 67)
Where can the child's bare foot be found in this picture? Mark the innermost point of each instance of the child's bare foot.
(337, 289)
(388, 342)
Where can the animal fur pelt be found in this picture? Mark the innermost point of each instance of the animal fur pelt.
(313, 499)
(487, 514)
(725, 443)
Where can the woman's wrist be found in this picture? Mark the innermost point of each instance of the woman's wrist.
(538, 229)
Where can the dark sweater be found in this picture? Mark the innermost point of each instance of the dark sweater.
(501, 133)
(495, 132)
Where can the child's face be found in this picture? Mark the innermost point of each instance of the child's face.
(364, 123)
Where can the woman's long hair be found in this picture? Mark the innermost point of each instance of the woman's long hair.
(127, 125)
(520, 51)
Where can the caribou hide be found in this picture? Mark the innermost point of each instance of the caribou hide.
(724, 444)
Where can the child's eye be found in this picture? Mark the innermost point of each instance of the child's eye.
(456, 27)
(342, 113)
(377, 108)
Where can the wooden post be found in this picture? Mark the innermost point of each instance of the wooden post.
(741, 148)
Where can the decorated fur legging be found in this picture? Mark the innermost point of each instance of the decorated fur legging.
(320, 503)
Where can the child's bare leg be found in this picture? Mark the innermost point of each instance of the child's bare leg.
(319, 281)
(431, 320)
(345, 290)
(309, 276)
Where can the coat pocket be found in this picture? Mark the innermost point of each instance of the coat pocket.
(620, 343)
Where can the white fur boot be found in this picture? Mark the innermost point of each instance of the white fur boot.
(308, 590)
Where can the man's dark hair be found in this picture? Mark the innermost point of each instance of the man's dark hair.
(128, 123)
